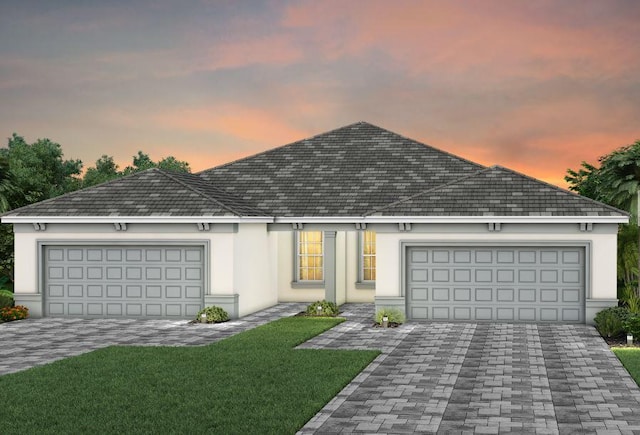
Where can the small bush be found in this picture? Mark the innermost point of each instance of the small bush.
(18, 312)
(632, 326)
(610, 321)
(394, 315)
(328, 309)
(6, 301)
(6, 292)
(214, 314)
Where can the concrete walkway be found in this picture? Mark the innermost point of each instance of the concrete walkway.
(430, 377)
(478, 378)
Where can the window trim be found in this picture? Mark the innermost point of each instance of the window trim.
(362, 283)
(306, 283)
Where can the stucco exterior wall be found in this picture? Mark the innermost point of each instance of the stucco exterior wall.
(601, 246)
(238, 258)
(347, 264)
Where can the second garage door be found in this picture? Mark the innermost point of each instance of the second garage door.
(523, 284)
(123, 281)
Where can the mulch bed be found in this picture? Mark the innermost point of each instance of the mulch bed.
(619, 342)
(391, 325)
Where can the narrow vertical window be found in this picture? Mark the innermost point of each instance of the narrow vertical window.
(368, 256)
(310, 252)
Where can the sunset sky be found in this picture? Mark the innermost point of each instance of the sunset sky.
(537, 86)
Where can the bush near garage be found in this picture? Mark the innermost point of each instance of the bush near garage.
(610, 322)
(214, 314)
(19, 312)
(6, 300)
(394, 315)
(327, 309)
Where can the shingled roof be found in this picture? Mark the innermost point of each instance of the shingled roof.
(153, 192)
(497, 191)
(352, 172)
(345, 172)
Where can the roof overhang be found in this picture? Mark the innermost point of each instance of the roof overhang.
(134, 219)
(458, 219)
(318, 220)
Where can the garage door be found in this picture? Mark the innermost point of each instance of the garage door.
(123, 281)
(496, 284)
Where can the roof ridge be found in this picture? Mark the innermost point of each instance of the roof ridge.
(433, 189)
(199, 192)
(558, 188)
(425, 145)
(277, 148)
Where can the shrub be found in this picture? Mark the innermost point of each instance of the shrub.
(632, 326)
(328, 309)
(6, 300)
(6, 292)
(610, 321)
(394, 314)
(18, 312)
(214, 314)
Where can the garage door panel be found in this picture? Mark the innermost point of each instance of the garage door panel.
(113, 281)
(520, 284)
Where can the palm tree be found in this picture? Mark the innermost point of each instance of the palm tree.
(620, 172)
(6, 184)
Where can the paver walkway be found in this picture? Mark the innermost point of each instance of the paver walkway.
(33, 342)
(478, 378)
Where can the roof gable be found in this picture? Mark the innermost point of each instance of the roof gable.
(497, 191)
(344, 172)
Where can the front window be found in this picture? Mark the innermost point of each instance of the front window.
(368, 256)
(310, 251)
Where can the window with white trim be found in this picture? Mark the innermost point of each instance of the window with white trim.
(310, 265)
(368, 260)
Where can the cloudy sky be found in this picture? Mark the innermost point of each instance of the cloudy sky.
(535, 86)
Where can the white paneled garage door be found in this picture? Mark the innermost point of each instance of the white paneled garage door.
(123, 281)
(520, 284)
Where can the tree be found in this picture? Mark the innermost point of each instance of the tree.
(30, 173)
(106, 169)
(38, 171)
(617, 183)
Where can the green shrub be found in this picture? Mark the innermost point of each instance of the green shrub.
(610, 321)
(394, 314)
(214, 314)
(18, 312)
(632, 326)
(328, 309)
(5, 292)
(6, 300)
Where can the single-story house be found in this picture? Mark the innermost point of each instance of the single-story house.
(357, 214)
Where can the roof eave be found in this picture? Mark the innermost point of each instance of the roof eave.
(134, 219)
(455, 219)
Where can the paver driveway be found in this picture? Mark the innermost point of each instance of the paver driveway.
(479, 378)
(33, 342)
(430, 378)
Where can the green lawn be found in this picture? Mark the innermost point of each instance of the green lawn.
(253, 382)
(630, 357)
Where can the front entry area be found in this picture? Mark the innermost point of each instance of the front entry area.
(503, 284)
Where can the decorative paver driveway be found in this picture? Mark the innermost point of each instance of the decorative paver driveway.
(430, 377)
(34, 342)
(478, 378)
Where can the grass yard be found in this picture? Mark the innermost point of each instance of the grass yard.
(253, 382)
(630, 358)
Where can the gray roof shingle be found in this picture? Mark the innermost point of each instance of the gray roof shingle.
(153, 192)
(354, 171)
(344, 172)
(497, 191)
